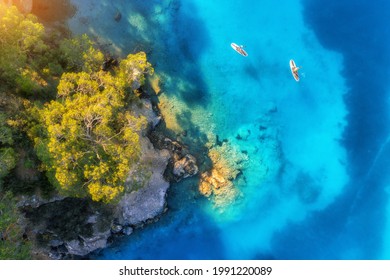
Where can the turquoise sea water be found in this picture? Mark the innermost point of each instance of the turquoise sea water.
(316, 182)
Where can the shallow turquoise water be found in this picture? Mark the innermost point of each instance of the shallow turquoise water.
(315, 185)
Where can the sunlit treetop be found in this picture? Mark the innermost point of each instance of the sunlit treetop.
(88, 139)
(21, 38)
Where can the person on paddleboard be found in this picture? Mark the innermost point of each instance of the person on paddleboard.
(239, 49)
(295, 69)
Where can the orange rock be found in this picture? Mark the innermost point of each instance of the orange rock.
(217, 183)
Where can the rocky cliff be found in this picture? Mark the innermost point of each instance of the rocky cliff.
(65, 227)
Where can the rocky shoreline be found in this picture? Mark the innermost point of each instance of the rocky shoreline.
(73, 228)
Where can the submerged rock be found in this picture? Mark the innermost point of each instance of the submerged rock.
(217, 183)
(155, 84)
(118, 16)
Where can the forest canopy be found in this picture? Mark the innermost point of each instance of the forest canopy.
(22, 41)
(65, 120)
(75, 112)
(87, 139)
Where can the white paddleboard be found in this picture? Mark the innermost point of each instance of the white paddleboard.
(295, 74)
(239, 49)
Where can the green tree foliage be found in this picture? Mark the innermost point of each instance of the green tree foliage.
(32, 60)
(79, 54)
(21, 42)
(7, 161)
(88, 140)
(5, 131)
(12, 244)
(133, 69)
(7, 154)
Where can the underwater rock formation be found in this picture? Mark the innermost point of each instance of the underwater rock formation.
(217, 183)
(118, 16)
(155, 84)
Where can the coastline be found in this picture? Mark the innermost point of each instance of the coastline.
(172, 162)
(95, 224)
(72, 228)
(285, 165)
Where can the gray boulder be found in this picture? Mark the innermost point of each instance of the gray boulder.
(85, 245)
(139, 206)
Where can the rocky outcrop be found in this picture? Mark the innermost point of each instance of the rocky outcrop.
(185, 167)
(69, 227)
(139, 206)
(66, 227)
(181, 164)
(148, 202)
(84, 246)
(73, 228)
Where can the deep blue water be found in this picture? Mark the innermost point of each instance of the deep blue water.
(319, 187)
(354, 226)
